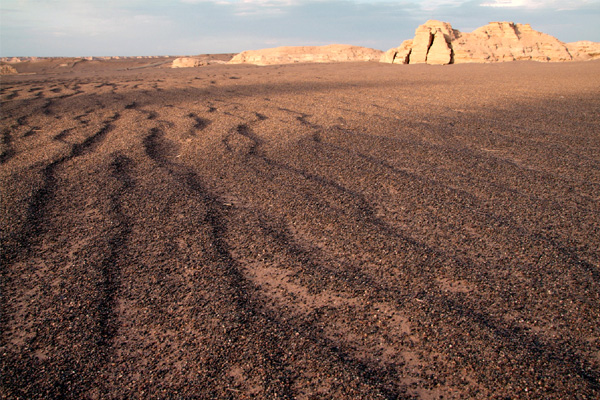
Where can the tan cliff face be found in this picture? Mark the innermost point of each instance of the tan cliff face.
(435, 42)
(584, 50)
(506, 41)
(432, 42)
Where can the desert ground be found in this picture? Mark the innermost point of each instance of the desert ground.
(307, 231)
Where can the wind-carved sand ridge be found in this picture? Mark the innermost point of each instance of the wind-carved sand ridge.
(348, 230)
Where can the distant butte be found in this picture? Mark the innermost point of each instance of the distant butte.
(307, 54)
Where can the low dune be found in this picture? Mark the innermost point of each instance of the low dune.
(344, 230)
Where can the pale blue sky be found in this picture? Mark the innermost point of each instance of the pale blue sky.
(180, 27)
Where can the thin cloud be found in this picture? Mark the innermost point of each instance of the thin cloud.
(538, 4)
(512, 3)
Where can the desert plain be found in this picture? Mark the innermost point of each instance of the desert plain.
(311, 231)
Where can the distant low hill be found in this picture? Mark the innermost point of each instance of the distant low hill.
(307, 54)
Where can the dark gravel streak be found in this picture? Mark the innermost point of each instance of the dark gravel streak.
(35, 223)
(110, 266)
(7, 149)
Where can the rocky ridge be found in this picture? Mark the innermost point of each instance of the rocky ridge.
(436, 42)
(307, 54)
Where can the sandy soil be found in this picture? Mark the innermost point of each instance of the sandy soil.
(352, 231)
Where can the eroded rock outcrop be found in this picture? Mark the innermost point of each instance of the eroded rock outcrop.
(506, 41)
(307, 54)
(398, 55)
(7, 70)
(187, 62)
(584, 50)
(421, 43)
(424, 41)
(436, 42)
(439, 52)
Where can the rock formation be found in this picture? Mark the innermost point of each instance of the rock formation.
(439, 51)
(506, 41)
(584, 50)
(424, 42)
(187, 62)
(7, 70)
(435, 42)
(307, 54)
(10, 60)
(398, 55)
(421, 44)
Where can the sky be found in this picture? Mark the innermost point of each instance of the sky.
(73, 28)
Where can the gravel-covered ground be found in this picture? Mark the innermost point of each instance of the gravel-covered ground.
(351, 231)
